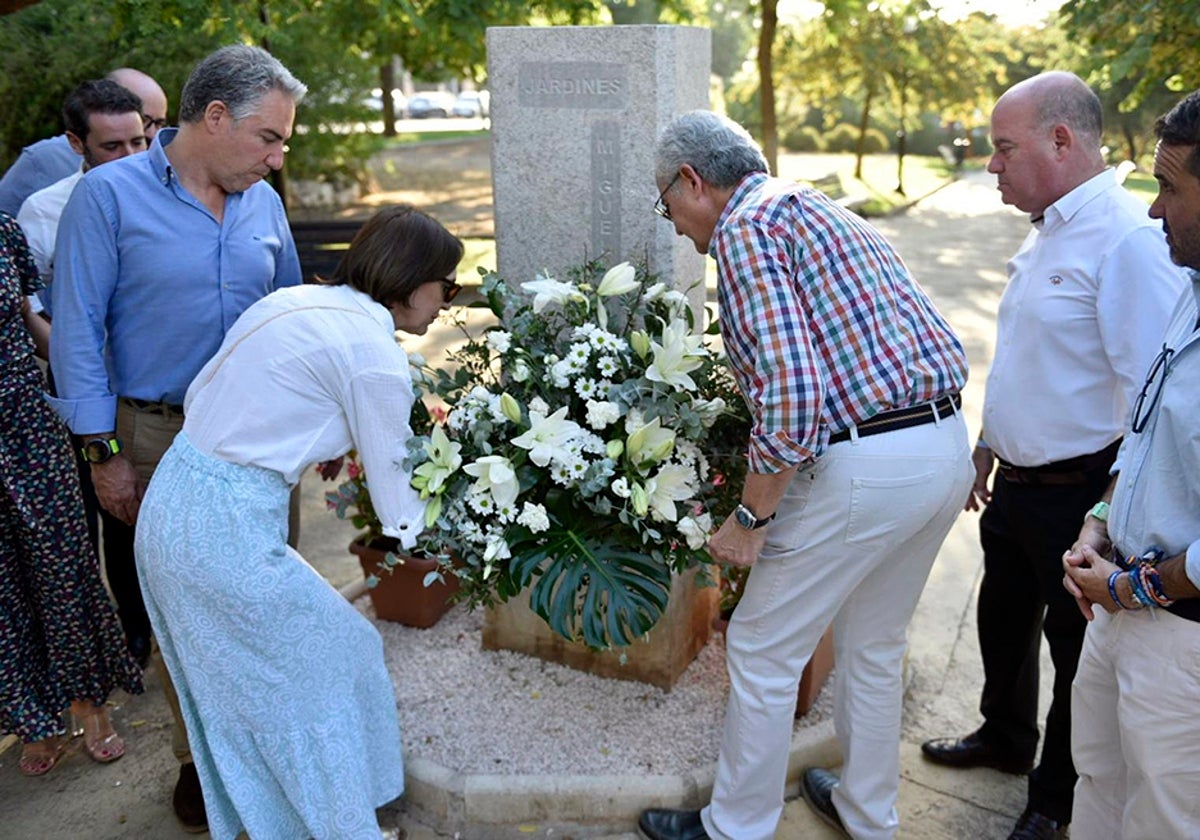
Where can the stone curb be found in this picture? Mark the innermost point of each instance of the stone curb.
(496, 807)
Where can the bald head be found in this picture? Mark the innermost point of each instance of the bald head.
(1046, 140)
(154, 101)
(1063, 98)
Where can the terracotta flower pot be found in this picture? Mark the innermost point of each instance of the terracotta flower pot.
(402, 596)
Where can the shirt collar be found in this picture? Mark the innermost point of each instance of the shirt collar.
(749, 184)
(1062, 210)
(158, 156)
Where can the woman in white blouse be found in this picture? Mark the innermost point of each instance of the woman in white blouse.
(289, 708)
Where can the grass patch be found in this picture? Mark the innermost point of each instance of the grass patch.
(1142, 185)
(408, 138)
(922, 175)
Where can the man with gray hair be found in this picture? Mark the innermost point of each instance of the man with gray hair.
(858, 464)
(157, 255)
(1090, 291)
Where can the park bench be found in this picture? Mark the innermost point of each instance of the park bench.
(321, 243)
(831, 185)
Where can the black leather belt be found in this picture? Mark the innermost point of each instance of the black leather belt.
(1078, 470)
(166, 409)
(903, 418)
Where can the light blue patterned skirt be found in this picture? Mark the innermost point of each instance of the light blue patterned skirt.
(289, 709)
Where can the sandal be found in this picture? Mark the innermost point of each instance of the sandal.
(39, 757)
(100, 742)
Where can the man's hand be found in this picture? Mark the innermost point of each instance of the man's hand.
(329, 470)
(1086, 578)
(734, 545)
(118, 488)
(981, 493)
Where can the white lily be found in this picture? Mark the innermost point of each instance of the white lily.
(649, 444)
(680, 352)
(673, 483)
(444, 459)
(547, 290)
(618, 280)
(548, 437)
(494, 474)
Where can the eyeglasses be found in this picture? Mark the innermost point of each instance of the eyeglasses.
(156, 124)
(660, 206)
(450, 289)
(1142, 411)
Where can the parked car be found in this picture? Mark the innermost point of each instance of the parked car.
(399, 101)
(471, 103)
(431, 104)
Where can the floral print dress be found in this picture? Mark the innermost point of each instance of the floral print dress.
(59, 636)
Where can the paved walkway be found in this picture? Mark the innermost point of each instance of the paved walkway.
(956, 242)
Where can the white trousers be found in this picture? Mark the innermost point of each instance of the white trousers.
(852, 544)
(1135, 734)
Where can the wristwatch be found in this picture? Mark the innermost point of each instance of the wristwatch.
(1099, 511)
(97, 450)
(746, 518)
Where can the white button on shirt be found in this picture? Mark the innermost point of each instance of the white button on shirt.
(1089, 296)
(304, 375)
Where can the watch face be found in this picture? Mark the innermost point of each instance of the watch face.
(97, 451)
(744, 517)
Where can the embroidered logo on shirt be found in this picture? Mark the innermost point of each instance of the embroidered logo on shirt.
(1056, 279)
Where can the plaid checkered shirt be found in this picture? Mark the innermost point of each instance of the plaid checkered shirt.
(823, 325)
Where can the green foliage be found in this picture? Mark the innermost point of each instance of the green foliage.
(803, 138)
(841, 138)
(874, 142)
(1146, 42)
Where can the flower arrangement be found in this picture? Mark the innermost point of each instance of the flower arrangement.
(589, 439)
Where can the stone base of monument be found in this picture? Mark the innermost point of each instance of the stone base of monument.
(659, 659)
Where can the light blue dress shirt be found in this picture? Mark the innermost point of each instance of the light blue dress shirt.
(39, 165)
(147, 282)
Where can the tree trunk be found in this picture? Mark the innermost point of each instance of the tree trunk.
(278, 178)
(1130, 140)
(862, 130)
(766, 84)
(387, 81)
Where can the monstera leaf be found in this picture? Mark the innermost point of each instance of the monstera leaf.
(605, 595)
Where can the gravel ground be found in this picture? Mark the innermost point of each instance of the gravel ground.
(505, 713)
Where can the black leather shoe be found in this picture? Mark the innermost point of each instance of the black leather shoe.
(817, 786)
(972, 751)
(665, 824)
(1035, 826)
(188, 800)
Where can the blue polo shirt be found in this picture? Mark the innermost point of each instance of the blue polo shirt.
(147, 282)
(39, 165)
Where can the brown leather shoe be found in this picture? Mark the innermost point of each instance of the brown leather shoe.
(188, 800)
(972, 751)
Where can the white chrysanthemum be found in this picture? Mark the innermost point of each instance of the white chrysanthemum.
(587, 388)
(499, 340)
(695, 529)
(534, 517)
(608, 366)
(601, 414)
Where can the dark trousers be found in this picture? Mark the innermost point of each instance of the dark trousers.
(1024, 532)
(121, 570)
